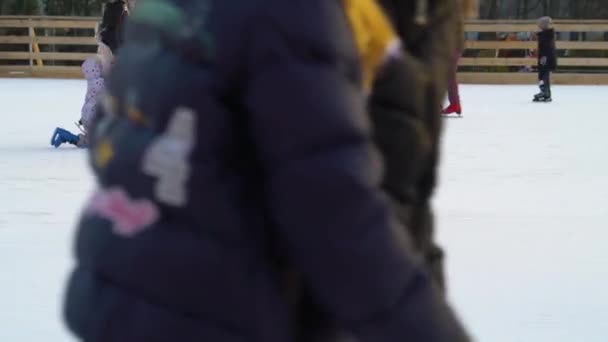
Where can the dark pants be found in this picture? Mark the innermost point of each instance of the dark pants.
(544, 81)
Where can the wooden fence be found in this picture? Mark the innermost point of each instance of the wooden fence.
(45, 46)
(580, 61)
(55, 47)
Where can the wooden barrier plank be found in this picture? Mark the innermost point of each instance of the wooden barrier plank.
(499, 45)
(15, 71)
(48, 40)
(76, 24)
(48, 23)
(483, 61)
(56, 17)
(57, 56)
(528, 45)
(496, 78)
(42, 72)
(57, 72)
(469, 44)
(500, 28)
(533, 21)
(65, 40)
(579, 79)
(595, 62)
(530, 78)
(15, 39)
(564, 45)
(14, 23)
(14, 55)
(532, 27)
(582, 27)
(62, 56)
(470, 26)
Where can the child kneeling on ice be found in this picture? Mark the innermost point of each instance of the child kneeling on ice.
(94, 70)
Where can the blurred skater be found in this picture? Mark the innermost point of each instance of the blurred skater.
(453, 87)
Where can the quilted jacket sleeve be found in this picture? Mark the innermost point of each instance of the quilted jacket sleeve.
(311, 132)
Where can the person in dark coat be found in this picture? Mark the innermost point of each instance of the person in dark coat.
(406, 123)
(407, 127)
(547, 59)
(235, 145)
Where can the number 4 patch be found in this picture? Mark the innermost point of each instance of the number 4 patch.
(167, 157)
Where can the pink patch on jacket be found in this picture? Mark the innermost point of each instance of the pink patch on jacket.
(129, 216)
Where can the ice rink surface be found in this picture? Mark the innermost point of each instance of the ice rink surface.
(522, 210)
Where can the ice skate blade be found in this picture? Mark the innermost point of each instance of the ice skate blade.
(450, 116)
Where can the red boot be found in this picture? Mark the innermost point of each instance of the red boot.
(452, 108)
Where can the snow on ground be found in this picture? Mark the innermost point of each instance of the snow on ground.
(522, 211)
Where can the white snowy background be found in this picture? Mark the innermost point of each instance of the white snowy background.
(522, 211)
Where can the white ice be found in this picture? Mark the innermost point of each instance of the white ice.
(522, 211)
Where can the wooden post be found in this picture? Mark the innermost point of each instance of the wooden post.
(30, 31)
(36, 46)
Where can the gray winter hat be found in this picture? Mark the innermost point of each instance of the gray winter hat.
(545, 23)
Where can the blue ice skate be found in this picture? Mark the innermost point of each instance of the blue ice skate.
(61, 136)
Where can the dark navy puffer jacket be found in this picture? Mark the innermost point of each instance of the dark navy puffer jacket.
(546, 49)
(234, 145)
